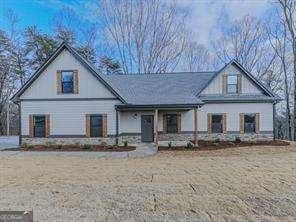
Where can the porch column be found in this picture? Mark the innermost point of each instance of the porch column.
(195, 128)
(156, 127)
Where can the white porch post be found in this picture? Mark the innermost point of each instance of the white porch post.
(156, 127)
(195, 128)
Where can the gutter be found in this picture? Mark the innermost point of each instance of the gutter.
(157, 106)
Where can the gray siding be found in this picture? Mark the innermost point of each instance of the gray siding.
(68, 117)
(45, 85)
(215, 87)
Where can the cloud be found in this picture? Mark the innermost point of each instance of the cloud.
(80, 7)
(208, 17)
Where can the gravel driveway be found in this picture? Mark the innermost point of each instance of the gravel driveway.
(235, 184)
(8, 142)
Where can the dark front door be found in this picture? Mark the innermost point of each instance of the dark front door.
(147, 128)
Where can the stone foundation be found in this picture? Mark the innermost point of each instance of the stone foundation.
(182, 138)
(234, 136)
(130, 139)
(68, 141)
(176, 139)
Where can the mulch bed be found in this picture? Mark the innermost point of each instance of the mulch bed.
(212, 145)
(94, 148)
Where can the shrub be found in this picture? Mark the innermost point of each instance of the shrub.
(170, 144)
(238, 139)
(125, 143)
(49, 144)
(104, 143)
(86, 146)
(217, 140)
(189, 145)
(59, 146)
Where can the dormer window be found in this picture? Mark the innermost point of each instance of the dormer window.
(67, 82)
(232, 84)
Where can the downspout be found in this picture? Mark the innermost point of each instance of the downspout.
(20, 123)
(273, 118)
(117, 124)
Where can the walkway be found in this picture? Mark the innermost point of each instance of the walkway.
(143, 150)
(8, 142)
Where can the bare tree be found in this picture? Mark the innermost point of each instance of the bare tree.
(68, 27)
(197, 57)
(289, 11)
(277, 33)
(6, 79)
(246, 41)
(14, 62)
(64, 23)
(149, 36)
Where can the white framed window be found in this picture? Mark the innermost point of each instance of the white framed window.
(232, 84)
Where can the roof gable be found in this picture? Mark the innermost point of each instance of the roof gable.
(57, 52)
(259, 85)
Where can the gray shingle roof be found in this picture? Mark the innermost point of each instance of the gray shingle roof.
(177, 89)
(151, 89)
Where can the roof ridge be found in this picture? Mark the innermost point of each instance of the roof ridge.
(164, 73)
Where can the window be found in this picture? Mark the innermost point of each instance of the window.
(249, 123)
(232, 84)
(67, 81)
(172, 123)
(96, 125)
(217, 123)
(39, 126)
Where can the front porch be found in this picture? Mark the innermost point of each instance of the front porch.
(158, 124)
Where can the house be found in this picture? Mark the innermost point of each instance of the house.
(68, 101)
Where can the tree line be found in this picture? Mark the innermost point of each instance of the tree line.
(153, 37)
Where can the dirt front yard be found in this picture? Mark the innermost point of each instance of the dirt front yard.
(235, 184)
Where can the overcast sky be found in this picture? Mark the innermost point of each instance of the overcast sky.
(206, 18)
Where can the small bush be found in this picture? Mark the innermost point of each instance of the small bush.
(170, 144)
(86, 146)
(238, 139)
(49, 144)
(125, 143)
(189, 145)
(217, 140)
(104, 143)
(59, 146)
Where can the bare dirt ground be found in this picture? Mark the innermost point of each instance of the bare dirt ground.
(235, 184)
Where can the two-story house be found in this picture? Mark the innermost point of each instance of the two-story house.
(68, 101)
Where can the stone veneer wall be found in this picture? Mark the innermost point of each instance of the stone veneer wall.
(131, 139)
(177, 139)
(222, 136)
(69, 141)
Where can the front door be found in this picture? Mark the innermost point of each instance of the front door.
(147, 128)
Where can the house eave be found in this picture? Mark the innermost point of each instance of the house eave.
(158, 106)
(239, 101)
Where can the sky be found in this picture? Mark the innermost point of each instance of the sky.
(205, 19)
